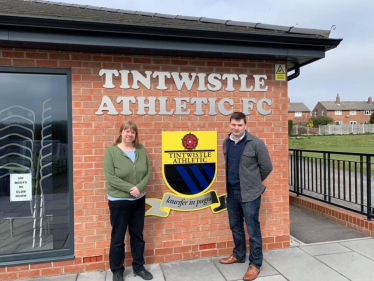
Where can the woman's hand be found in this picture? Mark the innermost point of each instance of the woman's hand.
(134, 191)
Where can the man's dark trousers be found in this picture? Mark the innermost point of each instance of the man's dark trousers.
(250, 211)
(125, 213)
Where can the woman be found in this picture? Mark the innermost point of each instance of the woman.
(127, 171)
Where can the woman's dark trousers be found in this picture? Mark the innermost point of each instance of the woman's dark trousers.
(125, 213)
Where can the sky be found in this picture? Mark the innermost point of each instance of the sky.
(347, 70)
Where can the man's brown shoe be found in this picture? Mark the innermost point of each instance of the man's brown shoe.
(229, 260)
(251, 273)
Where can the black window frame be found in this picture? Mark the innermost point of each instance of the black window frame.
(62, 254)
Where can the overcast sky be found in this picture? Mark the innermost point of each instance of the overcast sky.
(347, 70)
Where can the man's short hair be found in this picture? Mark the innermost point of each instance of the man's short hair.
(238, 116)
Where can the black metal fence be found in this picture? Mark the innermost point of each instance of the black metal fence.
(342, 179)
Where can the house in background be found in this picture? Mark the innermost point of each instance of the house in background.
(298, 112)
(345, 112)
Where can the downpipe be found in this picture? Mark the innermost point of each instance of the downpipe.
(294, 75)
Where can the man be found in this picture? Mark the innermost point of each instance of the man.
(247, 165)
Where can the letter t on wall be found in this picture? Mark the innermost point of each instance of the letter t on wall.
(108, 77)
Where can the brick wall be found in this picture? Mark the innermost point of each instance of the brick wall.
(318, 109)
(182, 235)
(345, 118)
(302, 119)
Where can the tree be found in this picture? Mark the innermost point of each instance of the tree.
(321, 120)
(290, 125)
(310, 124)
(371, 119)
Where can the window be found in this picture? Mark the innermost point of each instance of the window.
(298, 114)
(315, 113)
(323, 113)
(352, 122)
(338, 122)
(352, 112)
(338, 112)
(36, 198)
(367, 112)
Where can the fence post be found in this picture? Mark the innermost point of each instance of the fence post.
(362, 182)
(296, 173)
(324, 178)
(294, 170)
(301, 172)
(329, 176)
(368, 183)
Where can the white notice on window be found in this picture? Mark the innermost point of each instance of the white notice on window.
(20, 187)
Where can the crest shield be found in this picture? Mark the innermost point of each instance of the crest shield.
(189, 161)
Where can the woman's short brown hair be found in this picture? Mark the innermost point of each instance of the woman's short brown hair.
(128, 125)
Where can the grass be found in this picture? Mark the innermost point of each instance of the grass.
(338, 143)
(345, 143)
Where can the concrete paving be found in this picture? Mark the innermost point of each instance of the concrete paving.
(343, 260)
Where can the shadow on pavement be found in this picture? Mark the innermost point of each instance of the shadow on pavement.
(308, 228)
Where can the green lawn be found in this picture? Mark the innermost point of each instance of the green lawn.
(341, 143)
(346, 143)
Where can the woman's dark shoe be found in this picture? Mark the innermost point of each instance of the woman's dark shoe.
(117, 276)
(145, 274)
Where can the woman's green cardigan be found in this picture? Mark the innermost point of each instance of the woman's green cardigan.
(122, 174)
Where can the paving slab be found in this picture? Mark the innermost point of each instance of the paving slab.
(155, 269)
(92, 276)
(352, 265)
(271, 278)
(364, 246)
(295, 242)
(69, 277)
(344, 260)
(194, 270)
(236, 271)
(296, 265)
(325, 249)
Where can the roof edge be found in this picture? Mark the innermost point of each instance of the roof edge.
(287, 29)
(108, 27)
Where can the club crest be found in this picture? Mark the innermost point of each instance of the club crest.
(189, 166)
(189, 169)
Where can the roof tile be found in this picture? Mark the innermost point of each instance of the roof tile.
(347, 105)
(213, 20)
(241, 23)
(63, 11)
(145, 14)
(274, 27)
(297, 107)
